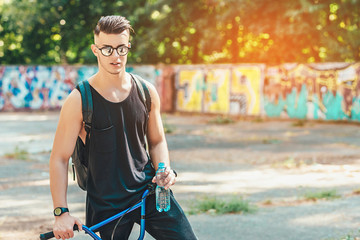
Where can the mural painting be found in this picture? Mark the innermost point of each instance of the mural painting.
(35, 87)
(44, 88)
(216, 91)
(246, 90)
(220, 89)
(329, 91)
(190, 90)
(312, 91)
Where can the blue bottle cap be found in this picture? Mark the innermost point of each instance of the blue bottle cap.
(161, 165)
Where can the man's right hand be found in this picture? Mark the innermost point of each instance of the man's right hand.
(64, 224)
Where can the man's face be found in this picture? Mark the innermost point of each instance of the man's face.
(113, 64)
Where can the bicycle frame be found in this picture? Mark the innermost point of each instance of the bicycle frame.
(91, 230)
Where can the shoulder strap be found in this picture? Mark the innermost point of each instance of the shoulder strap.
(87, 104)
(144, 90)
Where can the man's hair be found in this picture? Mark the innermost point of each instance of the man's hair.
(112, 24)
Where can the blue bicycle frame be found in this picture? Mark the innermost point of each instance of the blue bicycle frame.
(91, 230)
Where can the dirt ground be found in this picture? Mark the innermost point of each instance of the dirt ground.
(271, 163)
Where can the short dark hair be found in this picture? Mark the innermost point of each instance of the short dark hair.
(112, 24)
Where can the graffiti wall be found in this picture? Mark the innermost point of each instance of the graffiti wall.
(35, 87)
(220, 89)
(43, 88)
(318, 91)
(190, 90)
(329, 91)
(246, 90)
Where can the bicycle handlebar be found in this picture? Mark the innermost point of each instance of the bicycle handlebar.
(49, 235)
(151, 189)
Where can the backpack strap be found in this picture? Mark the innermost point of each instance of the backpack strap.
(87, 111)
(87, 104)
(144, 91)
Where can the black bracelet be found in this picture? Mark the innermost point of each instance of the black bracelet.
(174, 172)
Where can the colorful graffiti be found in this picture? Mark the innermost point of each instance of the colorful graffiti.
(246, 89)
(329, 91)
(217, 91)
(318, 91)
(35, 87)
(43, 88)
(190, 90)
(213, 89)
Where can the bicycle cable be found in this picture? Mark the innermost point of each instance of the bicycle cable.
(118, 222)
(151, 191)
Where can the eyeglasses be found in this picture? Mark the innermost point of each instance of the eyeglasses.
(108, 50)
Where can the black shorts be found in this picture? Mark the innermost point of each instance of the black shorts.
(160, 225)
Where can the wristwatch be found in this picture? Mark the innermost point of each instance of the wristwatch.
(60, 210)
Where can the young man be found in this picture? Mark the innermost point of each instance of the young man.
(119, 168)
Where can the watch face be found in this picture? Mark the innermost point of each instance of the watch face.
(57, 211)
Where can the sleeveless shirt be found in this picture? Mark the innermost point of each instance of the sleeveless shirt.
(119, 167)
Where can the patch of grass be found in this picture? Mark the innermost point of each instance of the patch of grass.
(221, 120)
(213, 205)
(327, 195)
(289, 163)
(20, 154)
(168, 128)
(270, 141)
(258, 120)
(292, 163)
(299, 123)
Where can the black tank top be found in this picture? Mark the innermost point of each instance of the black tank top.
(119, 167)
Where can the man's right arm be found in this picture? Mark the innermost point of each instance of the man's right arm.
(68, 129)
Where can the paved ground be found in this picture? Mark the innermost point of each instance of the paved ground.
(270, 163)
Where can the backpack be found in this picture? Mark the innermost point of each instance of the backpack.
(81, 152)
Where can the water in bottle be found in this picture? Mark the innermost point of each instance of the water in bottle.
(162, 195)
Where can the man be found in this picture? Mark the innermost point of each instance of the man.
(119, 168)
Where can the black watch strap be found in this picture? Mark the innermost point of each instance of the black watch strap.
(60, 210)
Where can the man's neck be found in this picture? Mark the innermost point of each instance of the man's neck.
(112, 80)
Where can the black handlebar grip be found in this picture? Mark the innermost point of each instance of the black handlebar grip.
(49, 235)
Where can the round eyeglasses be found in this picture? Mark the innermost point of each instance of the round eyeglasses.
(122, 50)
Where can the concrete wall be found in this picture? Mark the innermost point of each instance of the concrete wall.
(314, 91)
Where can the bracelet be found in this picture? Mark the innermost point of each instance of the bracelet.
(174, 172)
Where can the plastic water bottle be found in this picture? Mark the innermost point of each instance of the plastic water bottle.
(162, 195)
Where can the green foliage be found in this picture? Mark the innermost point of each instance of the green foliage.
(197, 31)
(168, 128)
(19, 154)
(328, 195)
(221, 120)
(214, 205)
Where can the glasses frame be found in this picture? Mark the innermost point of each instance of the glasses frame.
(116, 49)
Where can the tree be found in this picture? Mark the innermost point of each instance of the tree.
(53, 31)
(196, 31)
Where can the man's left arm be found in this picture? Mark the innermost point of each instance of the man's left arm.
(158, 148)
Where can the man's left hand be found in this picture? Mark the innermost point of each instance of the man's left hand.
(168, 180)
